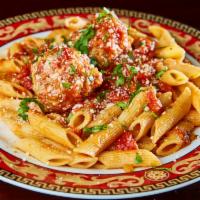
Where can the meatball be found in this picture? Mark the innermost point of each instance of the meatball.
(62, 77)
(110, 40)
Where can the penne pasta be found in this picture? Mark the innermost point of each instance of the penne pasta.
(9, 104)
(197, 82)
(136, 158)
(99, 141)
(191, 71)
(195, 94)
(166, 99)
(53, 131)
(44, 152)
(106, 116)
(13, 90)
(80, 119)
(59, 35)
(8, 66)
(133, 110)
(194, 117)
(174, 78)
(167, 47)
(82, 161)
(175, 139)
(142, 125)
(173, 51)
(146, 143)
(134, 33)
(75, 22)
(164, 37)
(172, 115)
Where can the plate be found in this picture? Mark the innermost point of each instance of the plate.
(179, 170)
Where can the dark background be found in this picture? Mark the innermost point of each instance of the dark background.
(185, 11)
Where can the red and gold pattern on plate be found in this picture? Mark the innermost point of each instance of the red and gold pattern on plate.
(180, 171)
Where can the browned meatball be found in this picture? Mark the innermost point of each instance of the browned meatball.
(110, 40)
(62, 77)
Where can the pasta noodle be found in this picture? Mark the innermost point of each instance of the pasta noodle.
(97, 142)
(174, 77)
(146, 143)
(75, 23)
(82, 161)
(118, 159)
(13, 90)
(191, 71)
(80, 119)
(8, 66)
(194, 117)
(167, 47)
(195, 94)
(133, 110)
(174, 139)
(53, 131)
(172, 115)
(142, 125)
(44, 152)
(106, 116)
(166, 99)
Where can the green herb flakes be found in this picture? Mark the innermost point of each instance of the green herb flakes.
(161, 72)
(23, 107)
(122, 105)
(138, 158)
(66, 85)
(95, 129)
(82, 43)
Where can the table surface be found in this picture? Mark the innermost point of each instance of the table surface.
(186, 12)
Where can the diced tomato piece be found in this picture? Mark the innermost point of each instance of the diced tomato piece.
(164, 87)
(125, 142)
(24, 77)
(153, 102)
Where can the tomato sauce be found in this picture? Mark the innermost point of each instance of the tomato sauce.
(125, 142)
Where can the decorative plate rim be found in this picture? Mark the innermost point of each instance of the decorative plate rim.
(87, 196)
(88, 10)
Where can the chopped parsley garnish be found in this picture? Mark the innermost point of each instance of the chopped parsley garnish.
(161, 72)
(142, 43)
(69, 117)
(23, 107)
(66, 85)
(120, 77)
(133, 72)
(137, 91)
(102, 95)
(138, 158)
(35, 50)
(93, 61)
(154, 115)
(72, 70)
(120, 81)
(51, 46)
(122, 105)
(105, 12)
(82, 43)
(95, 129)
(64, 39)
